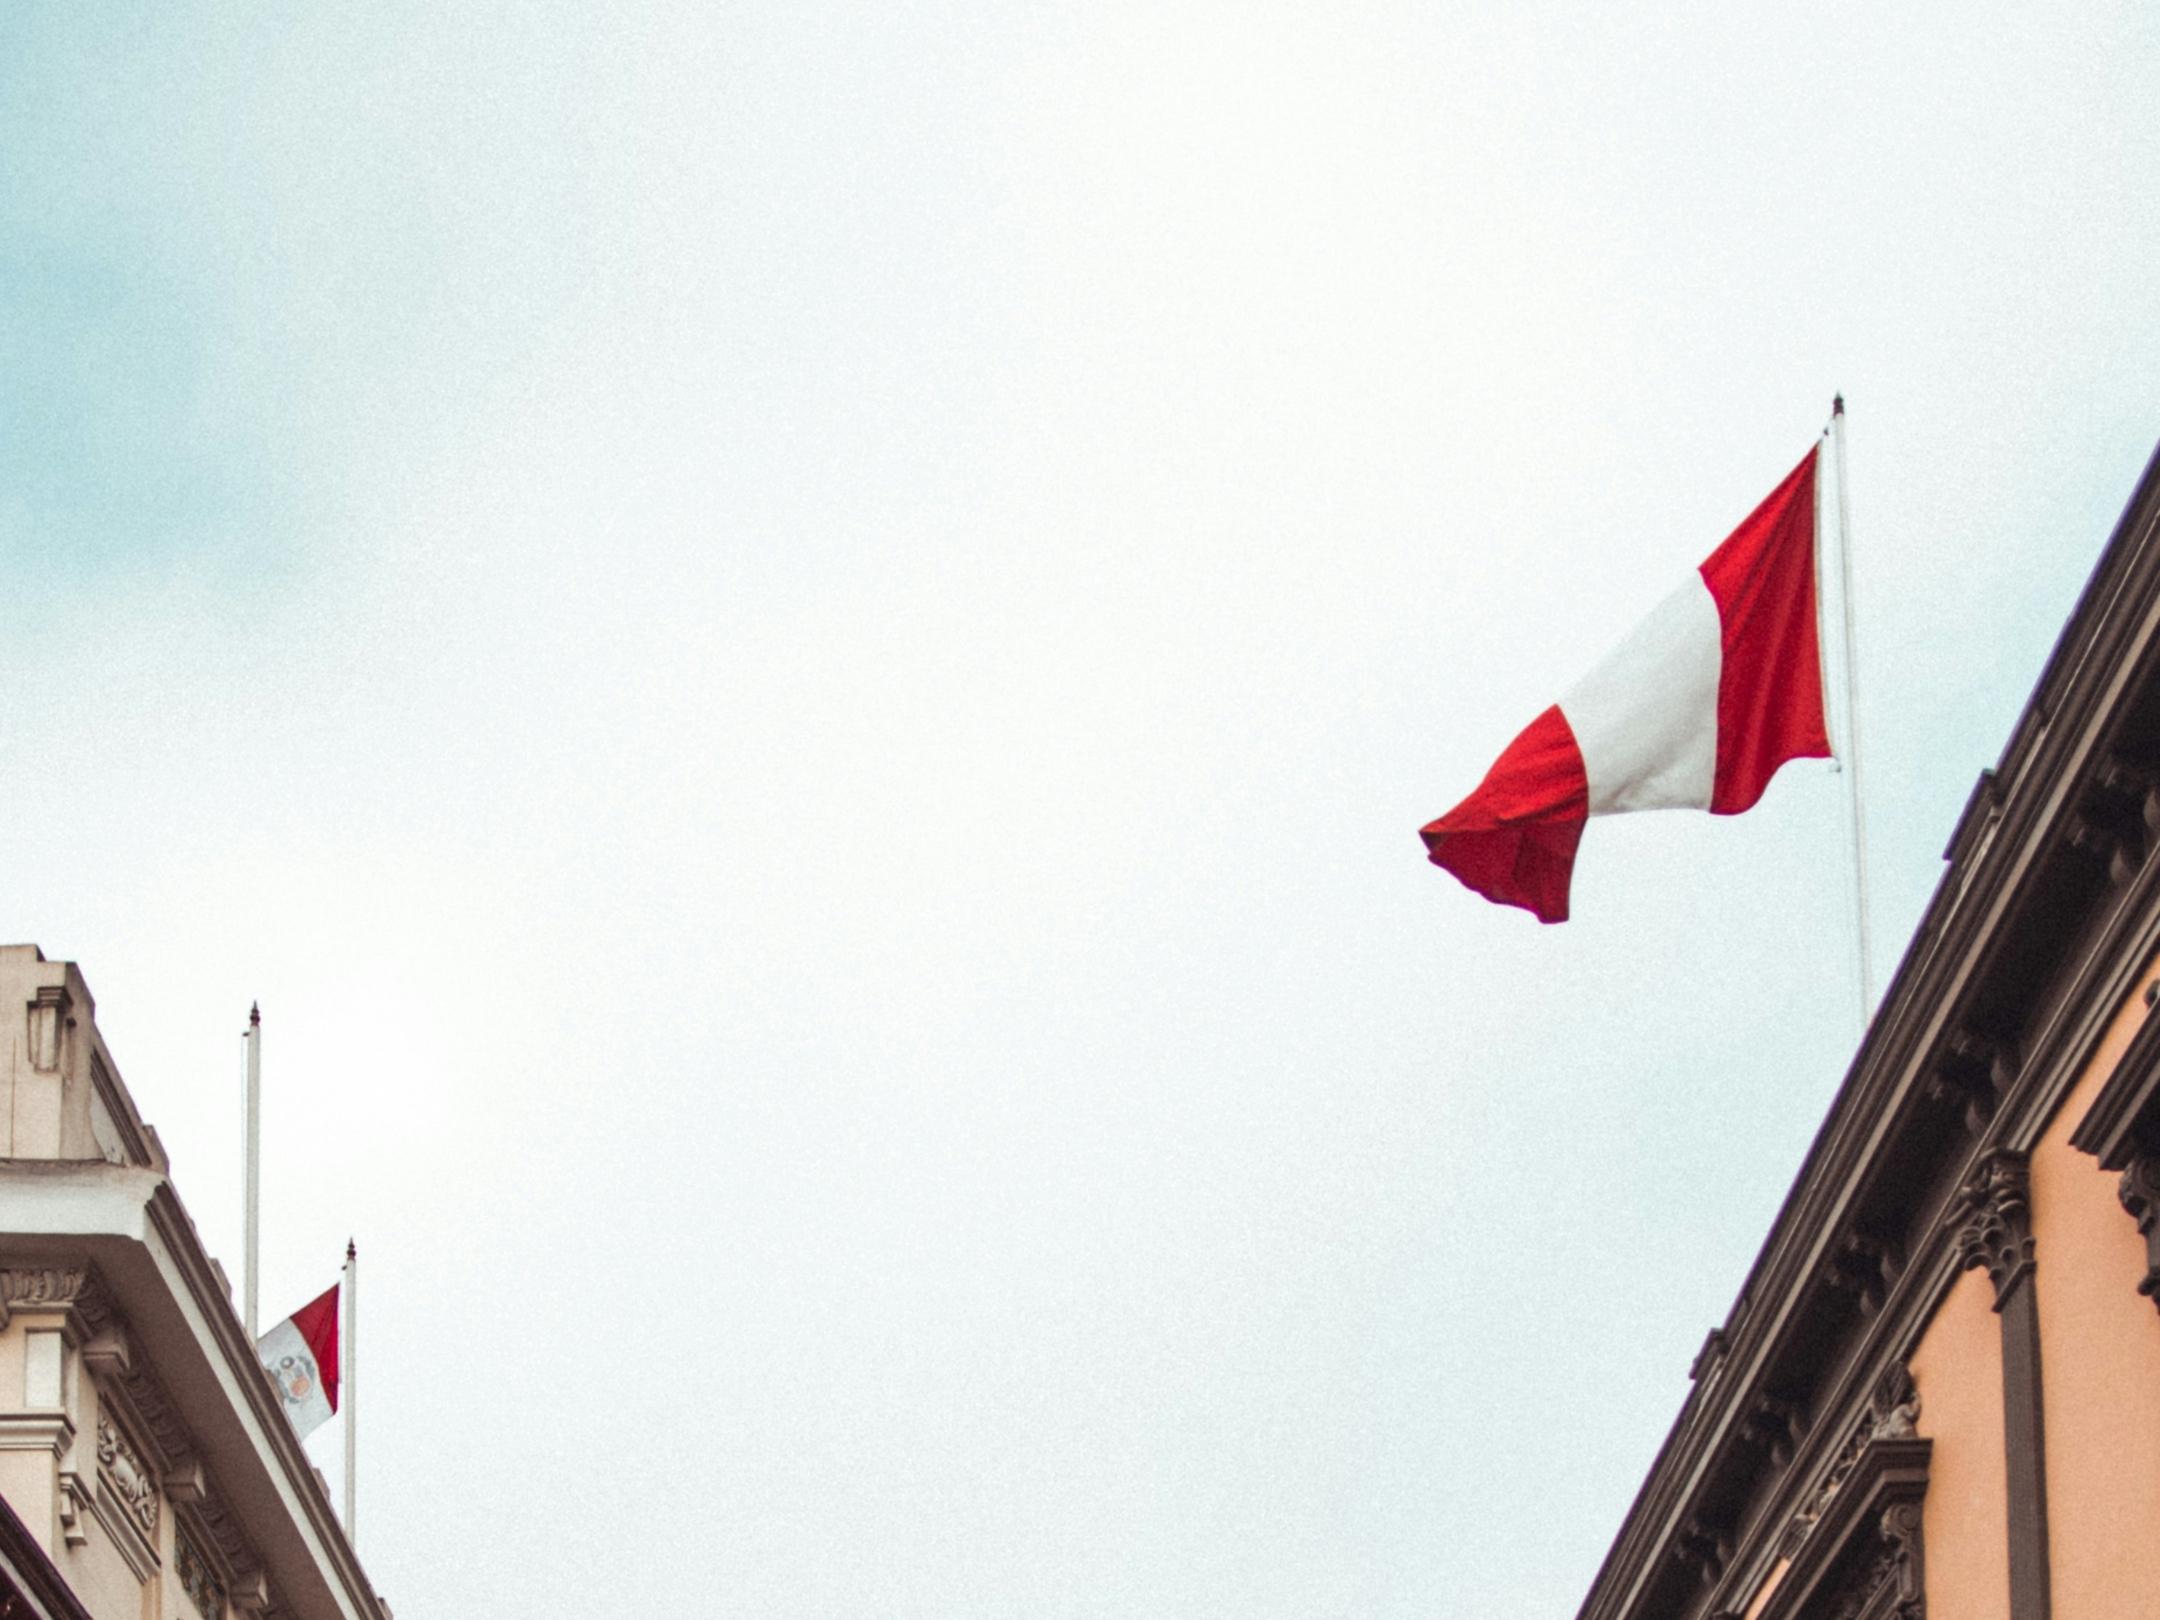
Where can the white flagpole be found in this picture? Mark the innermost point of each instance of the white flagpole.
(349, 1386)
(1852, 718)
(254, 1167)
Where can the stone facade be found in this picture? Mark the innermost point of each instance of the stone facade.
(146, 1468)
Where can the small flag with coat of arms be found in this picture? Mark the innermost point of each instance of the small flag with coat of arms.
(301, 1356)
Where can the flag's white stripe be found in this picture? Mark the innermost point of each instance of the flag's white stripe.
(1646, 717)
(291, 1365)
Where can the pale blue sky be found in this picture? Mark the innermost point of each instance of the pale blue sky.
(799, 649)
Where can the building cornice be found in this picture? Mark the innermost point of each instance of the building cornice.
(1978, 1038)
(114, 1249)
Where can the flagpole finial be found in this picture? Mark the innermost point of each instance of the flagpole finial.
(1837, 405)
(254, 1014)
(351, 1253)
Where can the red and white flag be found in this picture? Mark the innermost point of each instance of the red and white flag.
(301, 1356)
(1697, 709)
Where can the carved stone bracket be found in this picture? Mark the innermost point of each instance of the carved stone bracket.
(1993, 1221)
(250, 1593)
(1777, 1426)
(2140, 1192)
(2117, 818)
(1704, 1548)
(1865, 1266)
(185, 1482)
(1974, 1072)
(74, 1496)
(107, 1354)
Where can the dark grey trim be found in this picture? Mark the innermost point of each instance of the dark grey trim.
(30, 1584)
(2048, 911)
(1993, 1221)
(2024, 1452)
(1864, 1556)
(2124, 1120)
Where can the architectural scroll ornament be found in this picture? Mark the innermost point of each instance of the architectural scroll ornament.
(1993, 1220)
(121, 1468)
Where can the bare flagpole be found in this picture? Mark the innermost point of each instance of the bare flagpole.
(249, 1266)
(1852, 718)
(349, 1386)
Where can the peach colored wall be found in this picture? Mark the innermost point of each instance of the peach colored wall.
(2099, 1369)
(1957, 1367)
(1768, 1589)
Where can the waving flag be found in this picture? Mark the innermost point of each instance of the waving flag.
(1716, 689)
(301, 1356)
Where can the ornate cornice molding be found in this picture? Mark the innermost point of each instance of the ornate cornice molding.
(1891, 1413)
(1992, 1220)
(1864, 1558)
(143, 1447)
(40, 1288)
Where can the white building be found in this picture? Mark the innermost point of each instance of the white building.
(147, 1469)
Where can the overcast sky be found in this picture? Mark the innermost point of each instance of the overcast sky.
(799, 649)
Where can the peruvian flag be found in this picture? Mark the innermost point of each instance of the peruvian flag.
(1716, 689)
(301, 1356)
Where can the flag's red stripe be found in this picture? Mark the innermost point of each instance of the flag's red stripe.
(1513, 840)
(317, 1321)
(1770, 705)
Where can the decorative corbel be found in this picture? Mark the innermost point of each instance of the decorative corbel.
(2127, 797)
(1865, 1266)
(1703, 1548)
(74, 1497)
(2140, 1193)
(1974, 1073)
(250, 1593)
(1777, 1426)
(2107, 838)
(1993, 1219)
(107, 1354)
(185, 1483)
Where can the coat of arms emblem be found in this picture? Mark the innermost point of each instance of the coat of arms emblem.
(294, 1377)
